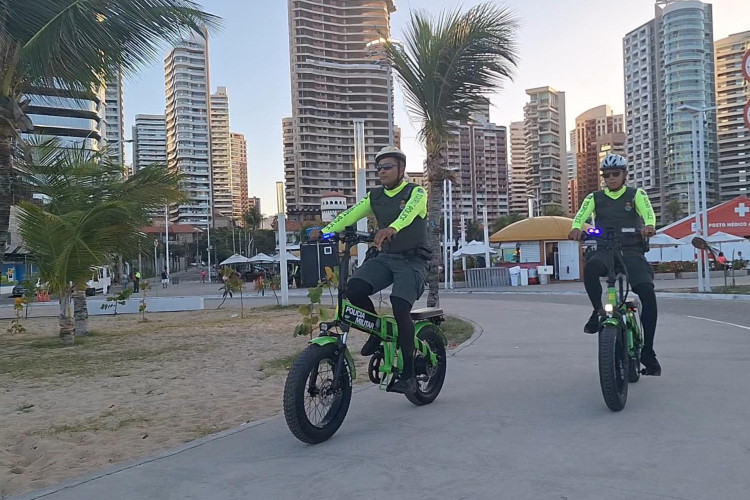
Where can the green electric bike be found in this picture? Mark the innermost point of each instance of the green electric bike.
(620, 332)
(318, 389)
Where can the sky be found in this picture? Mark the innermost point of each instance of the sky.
(572, 46)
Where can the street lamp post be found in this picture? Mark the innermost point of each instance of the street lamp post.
(281, 210)
(360, 179)
(699, 173)
(166, 238)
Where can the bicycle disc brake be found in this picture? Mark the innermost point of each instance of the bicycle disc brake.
(373, 367)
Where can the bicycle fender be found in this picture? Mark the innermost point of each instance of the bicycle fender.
(421, 324)
(329, 339)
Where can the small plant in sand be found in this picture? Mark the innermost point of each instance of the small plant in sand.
(143, 305)
(274, 283)
(15, 325)
(120, 298)
(29, 293)
(332, 282)
(232, 284)
(311, 313)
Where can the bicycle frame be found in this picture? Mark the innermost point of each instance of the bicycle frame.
(620, 314)
(350, 316)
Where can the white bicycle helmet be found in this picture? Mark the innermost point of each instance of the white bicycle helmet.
(390, 152)
(614, 162)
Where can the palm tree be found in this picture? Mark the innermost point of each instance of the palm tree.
(252, 219)
(69, 46)
(447, 66)
(89, 214)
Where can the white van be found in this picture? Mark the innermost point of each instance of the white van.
(101, 281)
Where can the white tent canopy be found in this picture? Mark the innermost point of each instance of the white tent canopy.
(721, 237)
(473, 248)
(663, 240)
(235, 259)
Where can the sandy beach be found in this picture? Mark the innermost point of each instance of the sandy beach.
(133, 389)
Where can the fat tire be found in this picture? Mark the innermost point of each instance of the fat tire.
(421, 397)
(610, 351)
(295, 391)
(634, 370)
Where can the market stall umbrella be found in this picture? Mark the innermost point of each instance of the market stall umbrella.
(473, 248)
(290, 257)
(235, 259)
(261, 258)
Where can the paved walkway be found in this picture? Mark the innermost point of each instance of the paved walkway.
(521, 417)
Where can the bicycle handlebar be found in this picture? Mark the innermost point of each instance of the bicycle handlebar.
(350, 235)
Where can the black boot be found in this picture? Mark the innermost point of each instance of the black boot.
(371, 346)
(592, 325)
(650, 363)
(404, 385)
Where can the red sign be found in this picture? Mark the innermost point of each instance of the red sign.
(732, 217)
(746, 115)
(746, 65)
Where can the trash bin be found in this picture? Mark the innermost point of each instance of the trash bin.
(515, 275)
(533, 277)
(175, 280)
(544, 273)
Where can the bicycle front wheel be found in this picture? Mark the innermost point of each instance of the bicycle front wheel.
(613, 368)
(314, 408)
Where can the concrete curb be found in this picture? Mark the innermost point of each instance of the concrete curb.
(660, 294)
(478, 331)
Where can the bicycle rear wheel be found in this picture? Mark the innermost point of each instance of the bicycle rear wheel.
(613, 367)
(430, 377)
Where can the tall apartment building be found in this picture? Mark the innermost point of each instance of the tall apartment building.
(221, 151)
(254, 203)
(669, 63)
(188, 131)
(478, 152)
(114, 118)
(545, 143)
(149, 141)
(76, 119)
(572, 171)
(597, 130)
(240, 202)
(518, 187)
(333, 82)
(732, 95)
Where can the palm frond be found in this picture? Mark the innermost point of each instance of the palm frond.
(451, 63)
(73, 43)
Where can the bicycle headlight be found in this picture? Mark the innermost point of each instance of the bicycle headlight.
(608, 308)
(323, 327)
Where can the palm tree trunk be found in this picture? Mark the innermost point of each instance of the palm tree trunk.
(80, 312)
(6, 169)
(66, 322)
(434, 207)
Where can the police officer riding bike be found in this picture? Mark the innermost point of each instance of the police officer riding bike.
(617, 208)
(400, 209)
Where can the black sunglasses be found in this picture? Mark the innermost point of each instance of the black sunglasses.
(607, 175)
(385, 166)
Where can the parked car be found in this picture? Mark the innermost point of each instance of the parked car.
(19, 289)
